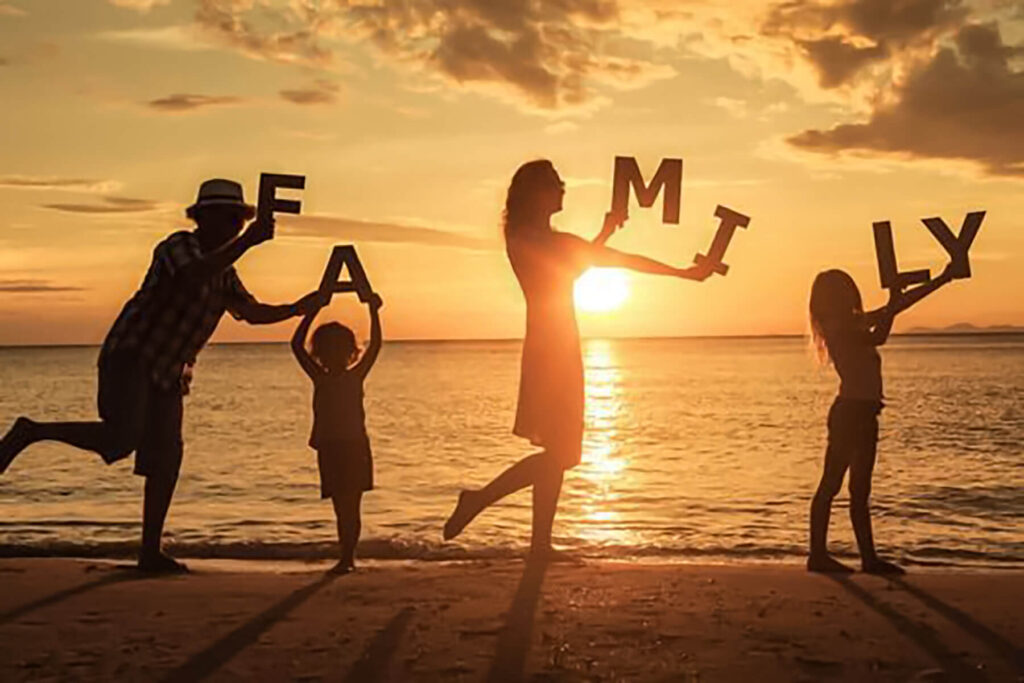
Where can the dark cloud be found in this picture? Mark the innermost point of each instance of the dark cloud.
(256, 29)
(35, 287)
(322, 92)
(841, 39)
(110, 205)
(182, 102)
(336, 227)
(56, 183)
(966, 102)
(550, 53)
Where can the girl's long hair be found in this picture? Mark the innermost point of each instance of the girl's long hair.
(520, 202)
(835, 305)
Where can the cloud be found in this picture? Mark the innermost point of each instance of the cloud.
(173, 37)
(545, 54)
(35, 287)
(184, 102)
(23, 182)
(139, 5)
(110, 205)
(964, 103)
(11, 11)
(336, 227)
(321, 92)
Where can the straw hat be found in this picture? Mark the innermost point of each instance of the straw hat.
(220, 192)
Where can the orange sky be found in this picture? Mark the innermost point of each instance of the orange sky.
(814, 118)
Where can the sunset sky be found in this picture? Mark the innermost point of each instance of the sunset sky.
(408, 117)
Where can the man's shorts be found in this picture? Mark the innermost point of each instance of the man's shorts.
(141, 416)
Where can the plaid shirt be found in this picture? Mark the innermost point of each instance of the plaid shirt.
(167, 322)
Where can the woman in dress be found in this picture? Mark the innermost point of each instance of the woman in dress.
(546, 263)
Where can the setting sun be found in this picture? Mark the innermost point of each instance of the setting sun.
(601, 289)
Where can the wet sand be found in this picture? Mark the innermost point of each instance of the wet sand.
(88, 620)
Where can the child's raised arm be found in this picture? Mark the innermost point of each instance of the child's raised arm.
(309, 366)
(880, 320)
(370, 356)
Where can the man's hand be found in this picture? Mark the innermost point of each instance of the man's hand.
(375, 302)
(259, 231)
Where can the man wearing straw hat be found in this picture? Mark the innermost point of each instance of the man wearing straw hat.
(146, 359)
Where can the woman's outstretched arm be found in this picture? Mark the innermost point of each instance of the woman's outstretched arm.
(376, 338)
(612, 258)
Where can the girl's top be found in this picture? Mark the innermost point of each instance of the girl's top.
(858, 363)
(550, 404)
(337, 409)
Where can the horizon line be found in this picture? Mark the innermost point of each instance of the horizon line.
(937, 332)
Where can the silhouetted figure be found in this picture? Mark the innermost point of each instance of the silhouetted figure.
(339, 422)
(145, 363)
(848, 337)
(550, 407)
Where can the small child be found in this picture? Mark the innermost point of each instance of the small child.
(339, 423)
(847, 336)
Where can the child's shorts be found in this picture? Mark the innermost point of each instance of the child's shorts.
(345, 467)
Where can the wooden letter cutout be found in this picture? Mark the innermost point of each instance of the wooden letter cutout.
(668, 176)
(730, 220)
(268, 201)
(888, 273)
(345, 255)
(957, 245)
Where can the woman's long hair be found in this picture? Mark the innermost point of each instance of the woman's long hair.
(520, 202)
(835, 305)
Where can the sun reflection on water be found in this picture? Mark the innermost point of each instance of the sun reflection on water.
(598, 519)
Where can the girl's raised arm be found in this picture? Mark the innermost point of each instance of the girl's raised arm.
(370, 356)
(880, 320)
(309, 366)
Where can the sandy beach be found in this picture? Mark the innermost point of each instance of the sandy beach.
(92, 620)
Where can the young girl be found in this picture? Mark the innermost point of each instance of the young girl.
(847, 336)
(339, 430)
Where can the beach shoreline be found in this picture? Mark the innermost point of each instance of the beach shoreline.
(501, 620)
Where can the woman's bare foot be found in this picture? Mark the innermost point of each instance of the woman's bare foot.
(464, 512)
(880, 566)
(826, 564)
(343, 567)
(18, 437)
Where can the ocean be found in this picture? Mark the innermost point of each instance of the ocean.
(695, 450)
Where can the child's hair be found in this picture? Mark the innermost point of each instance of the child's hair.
(333, 335)
(835, 304)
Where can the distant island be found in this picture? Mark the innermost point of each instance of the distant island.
(965, 328)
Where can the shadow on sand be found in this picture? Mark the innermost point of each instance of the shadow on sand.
(67, 593)
(515, 638)
(219, 653)
(999, 645)
(375, 663)
(920, 634)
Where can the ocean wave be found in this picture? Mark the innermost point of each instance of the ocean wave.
(406, 549)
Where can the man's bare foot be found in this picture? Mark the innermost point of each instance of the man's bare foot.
(464, 512)
(161, 563)
(343, 567)
(18, 437)
(826, 564)
(880, 566)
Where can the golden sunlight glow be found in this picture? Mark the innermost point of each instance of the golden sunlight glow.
(598, 518)
(601, 289)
